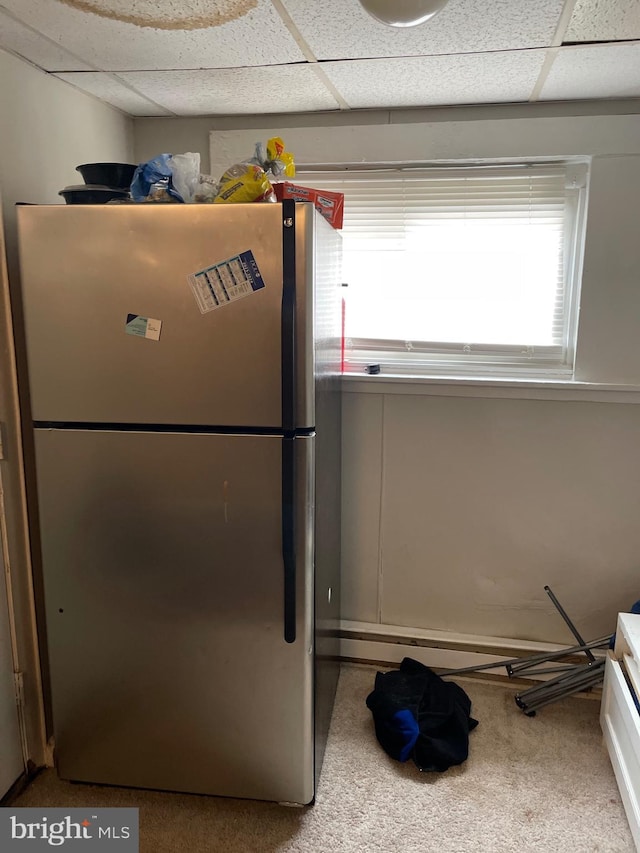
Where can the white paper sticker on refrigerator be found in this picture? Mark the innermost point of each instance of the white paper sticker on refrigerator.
(143, 327)
(226, 281)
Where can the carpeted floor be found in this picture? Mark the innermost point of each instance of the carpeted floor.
(531, 785)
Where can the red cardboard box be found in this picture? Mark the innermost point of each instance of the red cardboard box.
(330, 205)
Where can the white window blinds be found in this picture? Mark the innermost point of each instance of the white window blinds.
(460, 268)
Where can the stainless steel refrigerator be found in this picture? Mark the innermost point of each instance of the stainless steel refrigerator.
(183, 365)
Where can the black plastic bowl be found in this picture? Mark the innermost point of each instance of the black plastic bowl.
(87, 194)
(117, 175)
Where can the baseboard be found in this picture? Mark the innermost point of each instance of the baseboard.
(387, 645)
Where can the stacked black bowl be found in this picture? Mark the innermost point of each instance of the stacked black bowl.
(103, 182)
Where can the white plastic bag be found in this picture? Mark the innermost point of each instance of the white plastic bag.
(185, 170)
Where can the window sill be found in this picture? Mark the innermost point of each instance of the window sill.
(500, 388)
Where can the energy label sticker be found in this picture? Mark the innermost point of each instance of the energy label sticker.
(143, 327)
(225, 282)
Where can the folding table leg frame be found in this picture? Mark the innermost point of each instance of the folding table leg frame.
(583, 677)
(573, 678)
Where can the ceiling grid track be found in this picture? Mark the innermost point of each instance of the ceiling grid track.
(308, 53)
(118, 79)
(554, 49)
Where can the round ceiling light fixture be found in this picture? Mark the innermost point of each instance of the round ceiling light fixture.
(403, 13)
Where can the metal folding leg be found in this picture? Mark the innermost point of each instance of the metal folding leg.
(578, 678)
(572, 678)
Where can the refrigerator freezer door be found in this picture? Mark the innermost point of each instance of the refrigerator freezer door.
(115, 332)
(163, 578)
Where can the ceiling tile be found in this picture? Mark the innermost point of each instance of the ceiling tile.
(603, 71)
(341, 29)
(29, 44)
(108, 88)
(256, 36)
(235, 91)
(604, 20)
(426, 81)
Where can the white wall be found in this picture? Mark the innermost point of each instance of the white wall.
(47, 129)
(484, 501)
(457, 511)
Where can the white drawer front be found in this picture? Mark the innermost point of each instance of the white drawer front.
(620, 723)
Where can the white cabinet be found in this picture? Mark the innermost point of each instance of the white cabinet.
(620, 715)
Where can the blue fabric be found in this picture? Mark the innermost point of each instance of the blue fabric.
(406, 727)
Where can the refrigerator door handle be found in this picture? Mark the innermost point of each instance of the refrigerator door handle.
(289, 537)
(288, 343)
(288, 318)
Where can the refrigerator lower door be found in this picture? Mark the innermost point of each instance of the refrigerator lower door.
(163, 574)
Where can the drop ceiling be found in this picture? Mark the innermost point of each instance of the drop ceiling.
(233, 57)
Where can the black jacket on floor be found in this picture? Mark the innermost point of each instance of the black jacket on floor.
(419, 715)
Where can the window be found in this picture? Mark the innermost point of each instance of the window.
(463, 269)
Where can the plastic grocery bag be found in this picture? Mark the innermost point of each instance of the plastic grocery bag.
(185, 172)
(153, 181)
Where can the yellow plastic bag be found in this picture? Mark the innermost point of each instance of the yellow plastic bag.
(244, 182)
(249, 181)
(279, 160)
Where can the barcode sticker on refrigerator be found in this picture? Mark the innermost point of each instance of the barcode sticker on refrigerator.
(226, 281)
